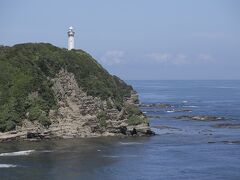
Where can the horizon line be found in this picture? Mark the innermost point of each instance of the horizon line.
(181, 79)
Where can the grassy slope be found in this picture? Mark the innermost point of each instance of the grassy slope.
(25, 68)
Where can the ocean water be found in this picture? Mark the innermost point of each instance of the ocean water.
(182, 149)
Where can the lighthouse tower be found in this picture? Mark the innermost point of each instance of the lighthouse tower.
(70, 38)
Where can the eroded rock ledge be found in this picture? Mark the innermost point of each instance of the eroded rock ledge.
(80, 115)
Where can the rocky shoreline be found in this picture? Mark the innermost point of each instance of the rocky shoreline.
(33, 135)
(81, 115)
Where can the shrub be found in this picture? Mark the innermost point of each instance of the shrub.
(34, 113)
(118, 104)
(102, 117)
(10, 125)
(43, 119)
(135, 120)
(132, 110)
(7, 126)
(2, 127)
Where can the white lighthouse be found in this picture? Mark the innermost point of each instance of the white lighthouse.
(70, 38)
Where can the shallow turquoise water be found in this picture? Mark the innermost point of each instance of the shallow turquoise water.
(186, 150)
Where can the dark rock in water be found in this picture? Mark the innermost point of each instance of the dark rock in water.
(201, 118)
(165, 127)
(136, 131)
(150, 133)
(211, 142)
(150, 116)
(227, 125)
(226, 142)
(231, 142)
(33, 135)
(182, 110)
(133, 132)
(141, 132)
(123, 130)
(165, 106)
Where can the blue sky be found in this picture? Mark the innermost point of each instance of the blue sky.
(136, 39)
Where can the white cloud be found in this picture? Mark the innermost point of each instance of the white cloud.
(179, 59)
(113, 57)
(167, 58)
(204, 57)
(160, 57)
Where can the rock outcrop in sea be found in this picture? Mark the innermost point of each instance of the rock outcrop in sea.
(100, 107)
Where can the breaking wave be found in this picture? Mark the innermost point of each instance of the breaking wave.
(7, 165)
(18, 153)
(46, 151)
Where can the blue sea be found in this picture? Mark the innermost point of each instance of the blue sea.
(183, 148)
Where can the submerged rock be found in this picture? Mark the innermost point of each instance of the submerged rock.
(200, 118)
(182, 110)
(151, 116)
(231, 142)
(166, 127)
(227, 125)
(34, 135)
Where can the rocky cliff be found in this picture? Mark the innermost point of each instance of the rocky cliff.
(50, 92)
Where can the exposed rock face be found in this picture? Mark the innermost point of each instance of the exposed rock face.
(77, 115)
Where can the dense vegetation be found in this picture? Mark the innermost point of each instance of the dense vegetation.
(25, 86)
(134, 115)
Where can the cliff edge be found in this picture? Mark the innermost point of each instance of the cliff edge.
(48, 92)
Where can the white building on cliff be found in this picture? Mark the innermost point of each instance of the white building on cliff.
(70, 38)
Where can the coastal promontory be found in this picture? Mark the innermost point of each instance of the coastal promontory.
(48, 92)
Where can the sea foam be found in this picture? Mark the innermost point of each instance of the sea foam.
(18, 153)
(7, 165)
